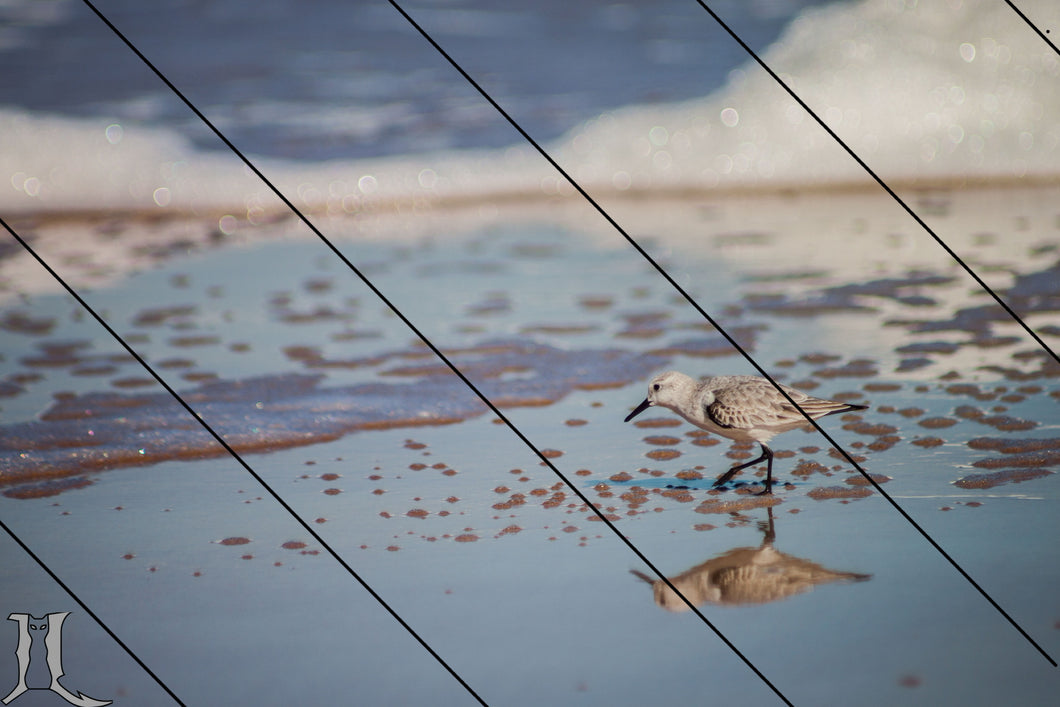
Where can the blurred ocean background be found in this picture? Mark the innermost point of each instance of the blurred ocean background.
(334, 97)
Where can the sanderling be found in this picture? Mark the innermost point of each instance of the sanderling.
(743, 408)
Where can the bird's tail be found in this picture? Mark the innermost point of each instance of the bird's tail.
(830, 407)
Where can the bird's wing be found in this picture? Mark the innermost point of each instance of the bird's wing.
(753, 405)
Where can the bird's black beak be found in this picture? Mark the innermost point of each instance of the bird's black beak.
(640, 408)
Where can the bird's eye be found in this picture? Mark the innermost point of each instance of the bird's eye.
(655, 387)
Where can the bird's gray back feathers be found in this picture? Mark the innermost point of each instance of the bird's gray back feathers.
(749, 402)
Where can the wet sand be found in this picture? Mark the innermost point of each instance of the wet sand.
(375, 444)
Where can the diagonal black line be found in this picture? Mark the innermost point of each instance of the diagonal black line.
(1032, 25)
(437, 352)
(971, 273)
(84, 607)
(235, 455)
(720, 330)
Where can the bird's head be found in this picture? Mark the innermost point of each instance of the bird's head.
(664, 390)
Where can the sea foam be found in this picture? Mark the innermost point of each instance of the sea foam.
(924, 93)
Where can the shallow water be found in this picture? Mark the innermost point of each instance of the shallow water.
(490, 556)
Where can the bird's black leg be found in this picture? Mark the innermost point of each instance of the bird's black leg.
(768, 453)
(767, 456)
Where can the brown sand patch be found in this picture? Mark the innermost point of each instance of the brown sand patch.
(609, 516)
(663, 454)
(205, 340)
(805, 468)
(653, 422)
(873, 430)
(713, 505)
(859, 480)
(679, 495)
(819, 358)
(559, 329)
(1026, 459)
(1006, 423)
(662, 441)
(1026, 453)
(969, 389)
(858, 368)
(22, 323)
(1014, 446)
(884, 443)
(937, 423)
(998, 478)
(596, 301)
(833, 492)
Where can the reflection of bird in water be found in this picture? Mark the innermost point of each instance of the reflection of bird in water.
(743, 408)
(746, 575)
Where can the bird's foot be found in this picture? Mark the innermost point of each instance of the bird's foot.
(724, 478)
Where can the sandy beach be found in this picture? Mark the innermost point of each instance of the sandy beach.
(395, 463)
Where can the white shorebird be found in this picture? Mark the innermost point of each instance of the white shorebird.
(743, 408)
